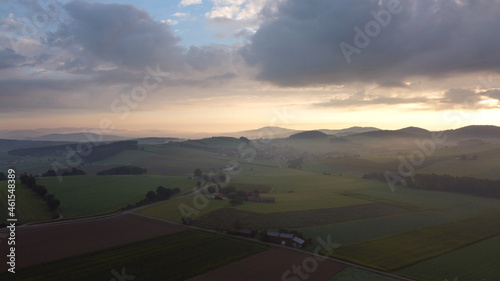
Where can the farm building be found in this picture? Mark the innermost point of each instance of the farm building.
(217, 195)
(287, 239)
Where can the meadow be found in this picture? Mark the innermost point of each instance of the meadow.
(473, 262)
(403, 249)
(356, 274)
(29, 207)
(91, 194)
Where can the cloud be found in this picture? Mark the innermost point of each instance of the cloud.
(120, 34)
(455, 98)
(299, 42)
(185, 3)
(170, 22)
(10, 59)
(246, 10)
(180, 15)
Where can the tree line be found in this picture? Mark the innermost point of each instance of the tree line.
(447, 183)
(123, 170)
(466, 185)
(30, 181)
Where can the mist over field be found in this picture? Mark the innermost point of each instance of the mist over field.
(249, 140)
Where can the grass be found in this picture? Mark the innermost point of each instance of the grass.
(172, 257)
(226, 217)
(294, 191)
(368, 229)
(356, 274)
(29, 207)
(90, 194)
(399, 250)
(473, 262)
(443, 204)
(171, 210)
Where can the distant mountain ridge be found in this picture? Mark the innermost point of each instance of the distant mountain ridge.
(309, 135)
(78, 137)
(269, 132)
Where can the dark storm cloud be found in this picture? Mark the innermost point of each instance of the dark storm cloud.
(121, 34)
(9, 58)
(300, 44)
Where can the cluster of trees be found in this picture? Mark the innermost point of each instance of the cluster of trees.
(161, 193)
(46, 150)
(296, 163)
(104, 151)
(123, 170)
(41, 191)
(69, 172)
(466, 185)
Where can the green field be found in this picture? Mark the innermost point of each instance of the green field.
(356, 274)
(396, 251)
(29, 207)
(172, 257)
(473, 262)
(90, 194)
(293, 190)
(368, 229)
(170, 210)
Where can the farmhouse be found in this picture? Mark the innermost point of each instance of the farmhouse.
(217, 195)
(287, 239)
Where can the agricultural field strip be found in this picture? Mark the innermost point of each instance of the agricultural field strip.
(50, 241)
(473, 262)
(91, 194)
(163, 256)
(400, 250)
(224, 218)
(29, 207)
(287, 248)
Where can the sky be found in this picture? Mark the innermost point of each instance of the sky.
(229, 65)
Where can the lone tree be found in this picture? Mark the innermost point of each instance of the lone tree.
(163, 193)
(198, 173)
(151, 196)
(53, 204)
